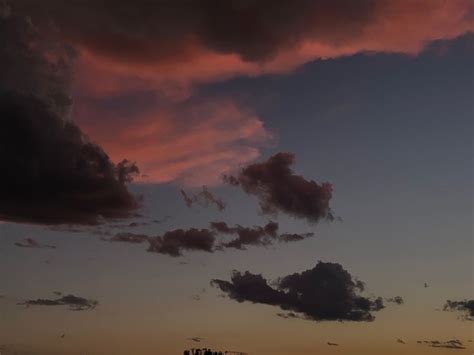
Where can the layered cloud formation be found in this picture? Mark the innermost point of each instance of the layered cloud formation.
(211, 39)
(165, 49)
(326, 292)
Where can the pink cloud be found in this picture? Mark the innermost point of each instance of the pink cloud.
(190, 143)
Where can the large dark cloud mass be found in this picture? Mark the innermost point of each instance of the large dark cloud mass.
(465, 307)
(279, 189)
(326, 292)
(51, 172)
(74, 303)
(255, 30)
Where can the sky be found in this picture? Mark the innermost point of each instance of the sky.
(270, 177)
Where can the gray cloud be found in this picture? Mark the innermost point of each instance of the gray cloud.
(397, 300)
(203, 198)
(74, 303)
(450, 344)
(174, 242)
(279, 189)
(326, 292)
(31, 243)
(465, 307)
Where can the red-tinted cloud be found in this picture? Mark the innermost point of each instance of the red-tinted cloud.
(192, 142)
(212, 39)
(169, 47)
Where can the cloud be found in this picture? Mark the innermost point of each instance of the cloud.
(52, 173)
(288, 315)
(295, 237)
(450, 344)
(126, 237)
(192, 142)
(465, 307)
(196, 339)
(74, 303)
(211, 40)
(203, 198)
(247, 236)
(400, 341)
(277, 188)
(256, 235)
(174, 242)
(138, 49)
(397, 300)
(31, 243)
(326, 292)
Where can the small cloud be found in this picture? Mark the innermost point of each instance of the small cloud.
(74, 303)
(174, 242)
(279, 189)
(400, 341)
(450, 344)
(196, 339)
(247, 236)
(203, 198)
(262, 236)
(31, 243)
(465, 307)
(397, 300)
(332, 344)
(126, 237)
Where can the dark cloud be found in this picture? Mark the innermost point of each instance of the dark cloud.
(450, 344)
(147, 31)
(187, 199)
(247, 236)
(326, 292)
(203, 198)
(465, 307)
(196, 339)
(294, 237)
(400, 341)
(256, 235)
(288, 315)
(126, 237)
(279, 189)
(397, 300)
(332, 344)
(174, 242)
(52, 173)
(74, 303)
(31, 243)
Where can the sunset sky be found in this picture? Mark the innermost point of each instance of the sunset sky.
(271, 177)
